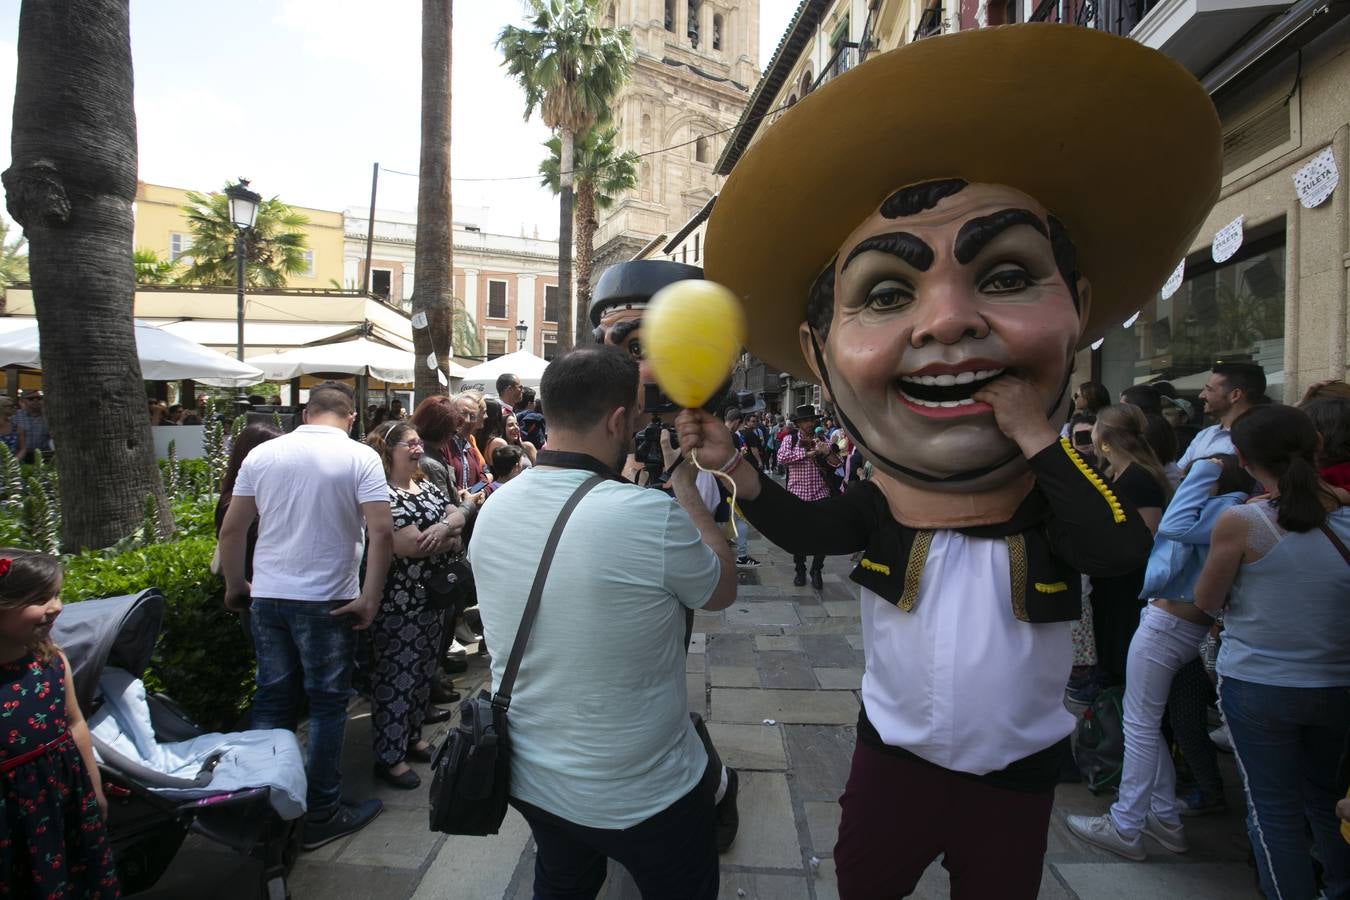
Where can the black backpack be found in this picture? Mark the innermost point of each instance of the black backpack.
(1099, 741)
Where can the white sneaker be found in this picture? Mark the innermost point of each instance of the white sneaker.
(1101, 831)
(1172, 837)
(1221, 739)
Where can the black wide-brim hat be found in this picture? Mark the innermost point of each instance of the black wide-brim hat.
(805, 411)
(1118, 141)
(634, 282)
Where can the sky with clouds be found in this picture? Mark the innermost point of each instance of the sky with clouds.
(301, 96)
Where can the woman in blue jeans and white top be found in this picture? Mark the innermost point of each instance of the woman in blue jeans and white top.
(1168, 637)
(1285, 662)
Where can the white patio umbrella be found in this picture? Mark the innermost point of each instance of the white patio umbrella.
(360, 356)
(163, 356)
(523, 364)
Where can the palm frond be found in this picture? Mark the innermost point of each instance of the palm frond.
(274, 248)
(569, 65)
(596, 165)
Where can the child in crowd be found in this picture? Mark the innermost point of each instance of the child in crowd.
(507, 463)
(52, 840)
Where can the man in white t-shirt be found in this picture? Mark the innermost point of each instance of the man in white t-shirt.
(317, 494)
(605, 763)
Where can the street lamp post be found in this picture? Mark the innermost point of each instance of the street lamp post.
(521, 329)
(243, 213)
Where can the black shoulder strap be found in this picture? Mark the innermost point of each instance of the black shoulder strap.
(502, 697)
(1340, 545)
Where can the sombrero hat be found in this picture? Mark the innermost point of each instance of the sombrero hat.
(1116, 140)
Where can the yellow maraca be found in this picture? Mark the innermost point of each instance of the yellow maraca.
(691, 335)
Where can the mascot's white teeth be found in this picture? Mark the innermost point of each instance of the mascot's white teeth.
(952, 380)
(943, 404)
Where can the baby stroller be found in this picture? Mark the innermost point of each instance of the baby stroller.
(163, 776)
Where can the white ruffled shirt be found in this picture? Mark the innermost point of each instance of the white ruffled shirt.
(959, 681)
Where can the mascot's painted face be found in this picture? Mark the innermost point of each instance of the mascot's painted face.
(621, 326)
(945, 288)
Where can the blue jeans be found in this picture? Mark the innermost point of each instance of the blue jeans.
(302, 648)
(1287, 742)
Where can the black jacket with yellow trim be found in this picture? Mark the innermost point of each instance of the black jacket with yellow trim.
(1070, 523)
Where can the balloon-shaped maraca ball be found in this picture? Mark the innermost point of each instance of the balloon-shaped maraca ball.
(691, 335)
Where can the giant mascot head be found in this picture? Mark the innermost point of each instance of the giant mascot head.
(964, 207)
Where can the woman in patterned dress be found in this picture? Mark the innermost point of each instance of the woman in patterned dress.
(53, 844)
(406, 634)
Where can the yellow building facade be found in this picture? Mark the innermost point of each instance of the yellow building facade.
(162, 226)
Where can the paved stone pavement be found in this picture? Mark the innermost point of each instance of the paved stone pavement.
(777, 677)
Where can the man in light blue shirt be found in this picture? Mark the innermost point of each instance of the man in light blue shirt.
(1232, 389)
(606, 762)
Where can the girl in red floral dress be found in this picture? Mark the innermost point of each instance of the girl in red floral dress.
(53, 845)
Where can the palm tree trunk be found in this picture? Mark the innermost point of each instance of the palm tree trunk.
(586, 226)
(565, 157)
(434, 259)
(71, 185)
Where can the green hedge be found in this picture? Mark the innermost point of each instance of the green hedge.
(202, 659)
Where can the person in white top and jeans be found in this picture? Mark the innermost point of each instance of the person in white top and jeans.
(315, 491)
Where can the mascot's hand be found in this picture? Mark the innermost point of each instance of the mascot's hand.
(1020, 413)
(703, 432)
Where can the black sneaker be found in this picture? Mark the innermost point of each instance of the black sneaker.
(747, 562)
(349, 818)
(728, 817)
(817, 581)
(799, 580)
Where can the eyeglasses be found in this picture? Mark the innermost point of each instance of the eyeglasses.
(411, 445)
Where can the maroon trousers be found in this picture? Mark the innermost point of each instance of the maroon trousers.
(901, 814)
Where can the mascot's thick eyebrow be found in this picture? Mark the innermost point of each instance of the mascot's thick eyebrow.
(900, 244)
(976, 234)
(619, 333)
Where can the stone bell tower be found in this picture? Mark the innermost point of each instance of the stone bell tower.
(697, 62)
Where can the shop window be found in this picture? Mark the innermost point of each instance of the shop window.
(1230, 311)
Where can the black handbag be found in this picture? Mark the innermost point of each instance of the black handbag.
(449, 584)
(471, 775)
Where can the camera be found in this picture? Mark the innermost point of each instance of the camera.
(655, 401)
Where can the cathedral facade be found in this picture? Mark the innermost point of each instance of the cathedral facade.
(696, 63)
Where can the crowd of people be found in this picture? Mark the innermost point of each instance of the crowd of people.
(350, 563)
(336, 554)
(1250, 522)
